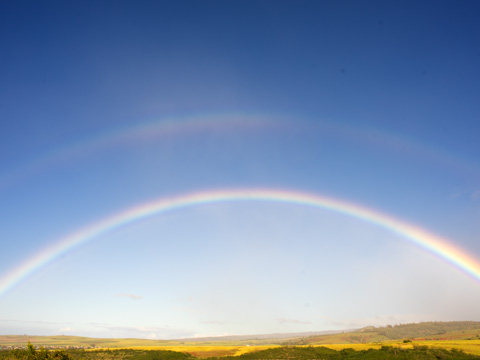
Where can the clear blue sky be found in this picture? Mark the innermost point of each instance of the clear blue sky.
(107, 105)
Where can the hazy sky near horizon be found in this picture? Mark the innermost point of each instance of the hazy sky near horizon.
(108, 105)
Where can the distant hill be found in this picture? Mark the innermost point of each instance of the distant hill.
(261, 336)
(453, 330)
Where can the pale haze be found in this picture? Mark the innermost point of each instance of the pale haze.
(108, 106)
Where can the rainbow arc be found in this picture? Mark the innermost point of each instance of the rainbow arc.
(432, 243)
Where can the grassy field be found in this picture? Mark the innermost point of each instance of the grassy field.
(64, 341)
(468, 346)
(468, 330)
(434, 335)
(204, 351)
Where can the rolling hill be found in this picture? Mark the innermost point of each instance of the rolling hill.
(455, 330)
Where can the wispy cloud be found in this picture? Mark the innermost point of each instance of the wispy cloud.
(475, 196)
(213, 322)
(292, 321)
(35, 322)
(131, 296)
(66, 329)
(207, 335)
(143, 332)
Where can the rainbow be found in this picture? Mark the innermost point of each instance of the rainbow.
(177, 126)
(139, 133)
(430, 242)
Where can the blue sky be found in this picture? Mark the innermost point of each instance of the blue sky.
(105, 106)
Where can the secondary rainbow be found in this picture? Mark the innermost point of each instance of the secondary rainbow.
(434, 244)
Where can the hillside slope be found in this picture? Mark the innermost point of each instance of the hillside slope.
(454, 330)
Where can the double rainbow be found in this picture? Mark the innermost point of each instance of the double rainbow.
(432, 243)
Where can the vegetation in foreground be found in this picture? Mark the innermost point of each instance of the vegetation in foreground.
(284, 352)
(435, 340)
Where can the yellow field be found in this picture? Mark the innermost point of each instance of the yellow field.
(204, 351)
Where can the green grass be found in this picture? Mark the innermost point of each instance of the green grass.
(427, 350)
(63, 341)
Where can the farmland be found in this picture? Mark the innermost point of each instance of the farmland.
(274, 353)
(461, 337)
(204, 351)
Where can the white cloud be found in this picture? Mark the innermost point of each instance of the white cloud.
(213, 322)
(35, 322)
(292, 321)
(145, 331)
(475, 196)
(206, 335)
(66, 329)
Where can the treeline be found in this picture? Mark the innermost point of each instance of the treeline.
(385, 353)
(30, 353)
(370, 334)
(422, 330)
(288, 352)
